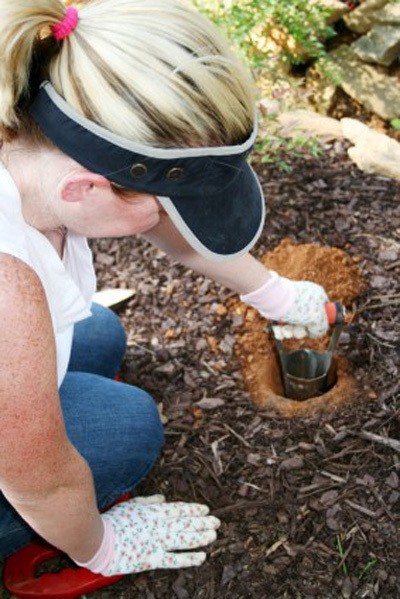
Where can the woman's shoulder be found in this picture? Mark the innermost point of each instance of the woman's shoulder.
(18, 280)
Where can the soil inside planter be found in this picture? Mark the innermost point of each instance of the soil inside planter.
(341, 277)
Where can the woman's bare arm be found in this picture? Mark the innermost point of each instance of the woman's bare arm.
(41, 474)
(243, 274)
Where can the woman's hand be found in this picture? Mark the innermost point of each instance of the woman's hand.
(307, 316)
(298, 304)
(144, 533)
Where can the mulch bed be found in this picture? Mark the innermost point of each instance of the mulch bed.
(309, 506)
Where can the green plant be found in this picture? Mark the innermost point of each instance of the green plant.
(343, 555)
(270, 35)
(395, 123)
(274, 144)
(250, 24)
(368, 566)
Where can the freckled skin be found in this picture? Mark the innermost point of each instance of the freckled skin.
(41, 474)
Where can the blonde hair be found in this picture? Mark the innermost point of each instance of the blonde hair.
(153, 71)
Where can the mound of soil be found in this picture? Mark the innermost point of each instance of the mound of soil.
(342, 279)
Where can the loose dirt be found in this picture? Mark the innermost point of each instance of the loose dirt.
(341, 277)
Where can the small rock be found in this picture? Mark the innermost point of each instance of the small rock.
(179, 589)
(378, 282)
(270, 569)
(376, 91)
(361, 19)
(228, 574)
(189, 381)
(243, 490)
(341, 224)
(253, 458)
(269, 107)
(312, 122)
(237, 320)
(201, 344)
(381, 45)
(294, 463)
(345, 338)
(374, 152)
(219, 309)
(333, 517)
(105, 259)
(329, 497)
(389, 13)
(210, 403)
(388, 256)
(392, 480)
(169, 369)
(347, 588)
(367, 480)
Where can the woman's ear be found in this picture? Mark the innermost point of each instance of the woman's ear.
(78, 187)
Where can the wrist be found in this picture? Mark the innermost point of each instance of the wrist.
(100, 562)
(274, 298)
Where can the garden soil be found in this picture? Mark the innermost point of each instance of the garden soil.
(342, 279)
(309, 505)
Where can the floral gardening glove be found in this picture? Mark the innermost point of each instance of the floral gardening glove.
(298, 304)
(144, 533)
(307, 316)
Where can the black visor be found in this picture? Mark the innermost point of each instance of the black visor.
(211, 194)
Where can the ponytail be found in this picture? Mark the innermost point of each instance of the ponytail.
(154, 71)
(24, 25)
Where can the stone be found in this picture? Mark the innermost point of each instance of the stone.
(323, 91)
(376, 91)
(336, 8)
(361, 19)
(373, 152)
(305, 120)
(269, 107)
(380, 45)
(389, 13)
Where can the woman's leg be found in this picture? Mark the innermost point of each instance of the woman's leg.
(99, 343)
(115, 427)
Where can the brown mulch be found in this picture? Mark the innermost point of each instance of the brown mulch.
(309, 506)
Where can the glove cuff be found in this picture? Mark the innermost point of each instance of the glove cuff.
(274, 299)
(101, 560)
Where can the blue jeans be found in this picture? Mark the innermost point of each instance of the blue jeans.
(115, 427)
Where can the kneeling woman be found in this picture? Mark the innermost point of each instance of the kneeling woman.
(124, 117)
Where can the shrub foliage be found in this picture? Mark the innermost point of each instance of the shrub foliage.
(250, 23)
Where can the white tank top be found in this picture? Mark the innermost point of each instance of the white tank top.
(69, 283)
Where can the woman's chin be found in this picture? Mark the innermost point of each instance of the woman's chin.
(151, 222)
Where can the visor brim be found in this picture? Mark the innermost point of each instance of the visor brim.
(224, 226)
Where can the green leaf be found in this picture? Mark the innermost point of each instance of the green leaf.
(395, 123)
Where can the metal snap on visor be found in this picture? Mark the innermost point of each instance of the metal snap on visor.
(175, 173)
(138, 170)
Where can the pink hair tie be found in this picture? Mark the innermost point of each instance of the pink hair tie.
(67, 25)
